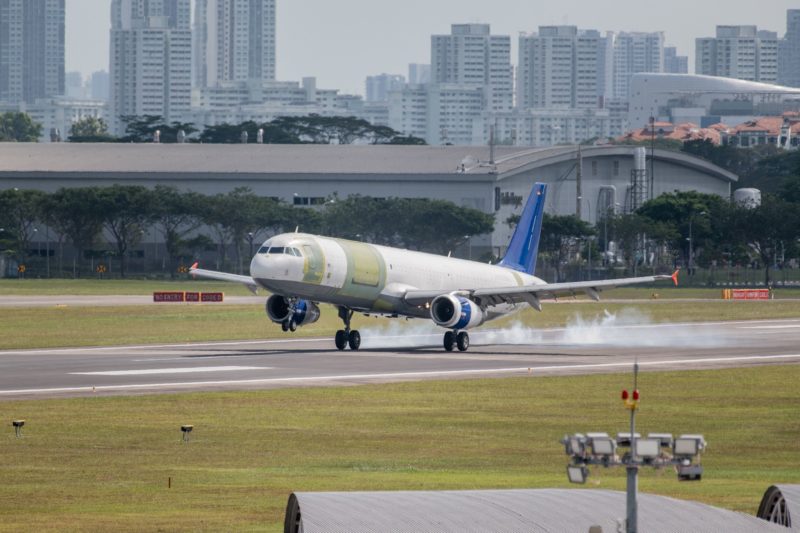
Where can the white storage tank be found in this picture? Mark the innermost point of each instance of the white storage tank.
(747, 197)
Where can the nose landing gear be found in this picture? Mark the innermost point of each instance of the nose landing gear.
(347, 337)
(458, 339)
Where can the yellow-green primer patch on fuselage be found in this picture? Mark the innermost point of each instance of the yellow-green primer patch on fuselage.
(366, 271)
(314, 266)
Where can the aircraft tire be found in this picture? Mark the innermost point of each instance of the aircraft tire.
(462, 339)
(449, 340)
(354, 340)
(285, 326)
(292, 326)
(341, 339)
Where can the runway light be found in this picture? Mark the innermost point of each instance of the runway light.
(636, 395)
(624, 439)
(648, 448)
(624, 395)
(18, 427)
(574, 445)
(690, 472)
(577, 474)
(186, 429)
(664, 438)
(688, 445)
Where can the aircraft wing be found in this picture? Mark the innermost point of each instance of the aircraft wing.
(247, 281)
(532, 294)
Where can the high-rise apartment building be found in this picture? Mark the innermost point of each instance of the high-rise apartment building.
(471, 56)
(740, 52)
(673, 63)
(234, 41)
(378, 87)
(558, 68)
(419, 73)
(789, 51)
(151, 59)
(634, 53)
(31, 50)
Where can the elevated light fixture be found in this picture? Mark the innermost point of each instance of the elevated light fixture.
(186, 429)
(18, 427)
(577, 473)
(658, 450)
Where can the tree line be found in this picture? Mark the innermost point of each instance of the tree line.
(687, 229)
(189, 223)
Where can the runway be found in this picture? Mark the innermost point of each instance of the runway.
(401, 354)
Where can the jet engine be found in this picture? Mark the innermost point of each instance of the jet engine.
(281, 311)
(456, 312)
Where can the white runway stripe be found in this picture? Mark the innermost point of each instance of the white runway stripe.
(403, 375)
(189, 370)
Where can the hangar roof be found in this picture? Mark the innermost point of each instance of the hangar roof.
(535, 510)
(80, 159)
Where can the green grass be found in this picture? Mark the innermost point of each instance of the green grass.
(95, 287)
(102, 463)
(32, 327)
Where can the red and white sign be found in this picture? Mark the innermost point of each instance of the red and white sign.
(169, 296)
(750, 294)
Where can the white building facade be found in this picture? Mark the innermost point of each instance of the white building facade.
(151, 60)
(31, 50)
(741, 52)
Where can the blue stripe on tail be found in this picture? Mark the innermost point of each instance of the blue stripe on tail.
(524, 245)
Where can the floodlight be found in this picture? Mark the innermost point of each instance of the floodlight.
(18, 427)
(577, 474)
(624, 439)
(603, 446)
(186, 429)
(664, 438)
(574, 445)
(690, 472)
(688, 445)
(648, 448)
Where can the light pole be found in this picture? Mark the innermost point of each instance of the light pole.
(250, 238)
(691, 242)
(47, 250)
(468, 238)
(658, 450)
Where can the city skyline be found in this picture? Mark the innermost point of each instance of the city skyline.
(304, 43)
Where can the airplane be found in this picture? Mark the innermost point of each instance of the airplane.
(301, 271)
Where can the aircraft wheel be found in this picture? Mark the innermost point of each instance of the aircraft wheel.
(341, 339)
(354, 340)
(285, 326)
(449, 340)
(462, 339)
(292, 326)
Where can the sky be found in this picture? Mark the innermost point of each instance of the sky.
(341, 42)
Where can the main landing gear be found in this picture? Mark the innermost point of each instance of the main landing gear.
(347, 337)
(456, 338)
(289, 325)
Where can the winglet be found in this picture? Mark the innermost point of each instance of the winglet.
(674, 277)
(194, 266)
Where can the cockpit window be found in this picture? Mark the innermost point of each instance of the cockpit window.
(280, 250)
(263, 249)
(294, 251)
(276, 250)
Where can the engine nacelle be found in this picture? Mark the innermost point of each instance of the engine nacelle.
(280, 310)
(456, 312)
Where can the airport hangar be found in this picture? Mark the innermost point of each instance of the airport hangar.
(305, 175)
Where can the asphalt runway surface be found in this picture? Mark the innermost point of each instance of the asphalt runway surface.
(399, 354)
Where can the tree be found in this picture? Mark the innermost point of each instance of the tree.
(76, 213)
(232, 134)
(125, 210)
(768, 228)
(142, 129)
(18, 127)
(176, 214)
(19, 211)
(559, 236)
(234, 215)
(90, 129)
(681, 212)
(435, 225)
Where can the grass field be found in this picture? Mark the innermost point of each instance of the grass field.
(88, 287)
(172, 323)
(103, 463)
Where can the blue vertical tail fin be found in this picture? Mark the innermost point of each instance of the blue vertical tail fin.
(524, 245)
